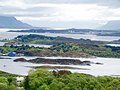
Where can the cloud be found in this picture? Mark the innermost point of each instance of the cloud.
(110, 3)
(71, 12)
(26, 3)
(13, 3)
(62, 11)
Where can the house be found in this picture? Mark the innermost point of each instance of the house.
(12, 54)
(19, 82)
(19, 79)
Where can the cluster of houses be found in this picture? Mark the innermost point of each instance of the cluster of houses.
(12, 54)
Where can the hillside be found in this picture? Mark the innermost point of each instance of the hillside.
(12, 22)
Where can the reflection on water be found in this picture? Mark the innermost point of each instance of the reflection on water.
(115, 45)
(8, 65)
(39, 45)
(2, 43)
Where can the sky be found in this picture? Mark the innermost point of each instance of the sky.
(62, 13)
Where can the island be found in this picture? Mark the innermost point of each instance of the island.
(60, 46)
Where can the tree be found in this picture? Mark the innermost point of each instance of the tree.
(3, 86)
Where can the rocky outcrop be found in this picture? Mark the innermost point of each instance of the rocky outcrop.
(59, 61)
(20, 60)
(56, 61)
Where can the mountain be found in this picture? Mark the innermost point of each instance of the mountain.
(12, 22)
(111, 25)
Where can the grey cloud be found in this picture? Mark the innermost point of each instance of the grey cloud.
(110, 3)
(46, 11)
(29, 12)
(39, 11)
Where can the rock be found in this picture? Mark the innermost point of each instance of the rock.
(55, 61)
(60, 61)
(20, 60)
(99, 63)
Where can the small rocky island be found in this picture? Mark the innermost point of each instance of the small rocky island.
(56, 61)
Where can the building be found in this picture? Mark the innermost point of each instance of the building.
(19, 82)
(12, 54)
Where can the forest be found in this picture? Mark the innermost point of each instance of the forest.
(42, 79)
(65, 80)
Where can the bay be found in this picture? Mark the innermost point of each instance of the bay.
(110, 66)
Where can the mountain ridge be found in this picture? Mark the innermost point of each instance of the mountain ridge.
(12, 22)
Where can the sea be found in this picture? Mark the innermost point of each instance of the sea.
(110, 67)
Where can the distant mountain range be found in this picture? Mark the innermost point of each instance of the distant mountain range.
(12, 22)
(111, 25)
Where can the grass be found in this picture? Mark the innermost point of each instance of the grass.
(57, 67)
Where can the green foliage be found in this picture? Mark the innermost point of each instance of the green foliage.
(47, 80)
(8, 83)
(3, 80)
(35, 39)
(94, 50)
(3, 86)
(5, 74)
(5, 49)
(62, 47)
(11, 80)
(65, 50)
(13, 87)
(61, 80)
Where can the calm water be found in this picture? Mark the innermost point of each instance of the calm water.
(115, 45)
(39, 45)
(111, 66)
(2, 43)
(35, 45)
(11, 35)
